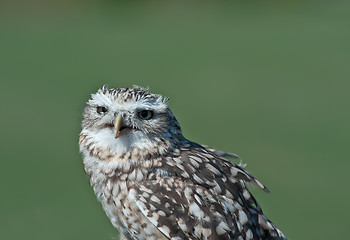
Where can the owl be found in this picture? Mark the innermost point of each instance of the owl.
(154, 183)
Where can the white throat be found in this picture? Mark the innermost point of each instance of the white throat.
(105, 139)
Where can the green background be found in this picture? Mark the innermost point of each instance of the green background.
(268, 80)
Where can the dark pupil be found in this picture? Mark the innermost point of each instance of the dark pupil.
(101, 110)
(144, 114)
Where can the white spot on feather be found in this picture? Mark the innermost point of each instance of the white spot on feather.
(198, 199)
(249, 234)
(195, 210)
(222, 228)
(242, 217)
(165, 230)
(197, 179)
(155, 199)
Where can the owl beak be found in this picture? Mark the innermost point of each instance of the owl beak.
(117, 124)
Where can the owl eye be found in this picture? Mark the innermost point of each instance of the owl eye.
(145, 114)
(101, 110)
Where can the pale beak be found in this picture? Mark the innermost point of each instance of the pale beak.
(117, 124)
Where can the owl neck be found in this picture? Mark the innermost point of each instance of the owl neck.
(102, 163)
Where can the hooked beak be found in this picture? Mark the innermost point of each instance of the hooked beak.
(117, 124)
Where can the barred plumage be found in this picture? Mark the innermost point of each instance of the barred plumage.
(155, 184)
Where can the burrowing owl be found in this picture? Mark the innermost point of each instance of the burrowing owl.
(153, 183)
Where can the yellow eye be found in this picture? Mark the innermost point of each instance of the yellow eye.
(101, 110)
(145, 114)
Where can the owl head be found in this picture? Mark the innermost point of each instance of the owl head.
(121, 119)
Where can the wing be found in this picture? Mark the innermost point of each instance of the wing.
(183, 210)
(197, 194)
(221, 153)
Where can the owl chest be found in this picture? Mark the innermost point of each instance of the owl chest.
(115, 201)
(124, 213)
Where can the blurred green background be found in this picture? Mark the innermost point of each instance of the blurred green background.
(268, 80)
